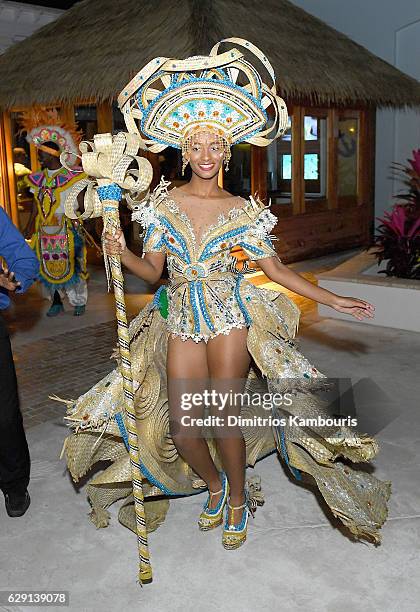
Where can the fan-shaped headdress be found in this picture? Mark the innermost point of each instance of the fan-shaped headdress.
(170, 99)
(46, 125)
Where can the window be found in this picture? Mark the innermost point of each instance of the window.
(279, 168)
(315, 156)
(348, 151)
(85, 117)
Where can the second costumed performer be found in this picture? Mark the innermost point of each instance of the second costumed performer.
(58, 242)
(210, 326)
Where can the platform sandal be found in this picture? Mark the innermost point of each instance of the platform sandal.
(235, 535)
(213, 517)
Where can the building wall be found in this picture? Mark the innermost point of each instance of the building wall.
(17, 21)
(391, 30)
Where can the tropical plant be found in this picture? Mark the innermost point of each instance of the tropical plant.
(398, 235)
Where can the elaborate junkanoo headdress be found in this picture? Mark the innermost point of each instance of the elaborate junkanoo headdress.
(46, 125)
(169, 100)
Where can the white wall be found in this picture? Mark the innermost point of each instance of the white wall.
(17, 21)
(391, 30)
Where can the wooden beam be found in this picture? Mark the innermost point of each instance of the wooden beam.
(366, 167)
(9, 168)
(332, 159)
(67, 113)
(298, 144)
(4, 183)
(363, 161)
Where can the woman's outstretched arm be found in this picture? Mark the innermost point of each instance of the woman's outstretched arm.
(281, 274)
(149, 268)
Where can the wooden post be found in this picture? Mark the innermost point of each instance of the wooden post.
(8, 168)
(67, 113)
(364, 159)
(4, 185)
(332, 159)
(366, 168)
(298, 183)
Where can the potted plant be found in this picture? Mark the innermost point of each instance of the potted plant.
(398, 236)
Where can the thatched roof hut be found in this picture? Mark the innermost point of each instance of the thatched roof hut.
(94, 49)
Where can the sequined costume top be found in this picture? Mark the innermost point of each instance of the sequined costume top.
(206, 290)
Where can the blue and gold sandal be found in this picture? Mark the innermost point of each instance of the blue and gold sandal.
(235, 535)
(213, 517)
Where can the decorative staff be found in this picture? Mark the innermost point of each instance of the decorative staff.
(108, 162)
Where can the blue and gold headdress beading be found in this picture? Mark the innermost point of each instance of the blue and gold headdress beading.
(170, 99)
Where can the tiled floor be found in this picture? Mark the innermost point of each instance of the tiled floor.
(65, 365)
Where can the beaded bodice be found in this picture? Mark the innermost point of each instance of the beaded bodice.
(204, 282)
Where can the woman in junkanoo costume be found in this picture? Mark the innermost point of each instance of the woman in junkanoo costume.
(211, 328)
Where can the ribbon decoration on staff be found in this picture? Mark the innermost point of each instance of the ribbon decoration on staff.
(109, 163)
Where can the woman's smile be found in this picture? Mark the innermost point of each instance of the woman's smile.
(205, 167)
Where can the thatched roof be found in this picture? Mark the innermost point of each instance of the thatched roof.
(94, 48)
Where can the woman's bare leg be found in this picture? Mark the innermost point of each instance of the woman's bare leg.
(187, 372)
(228, 363)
